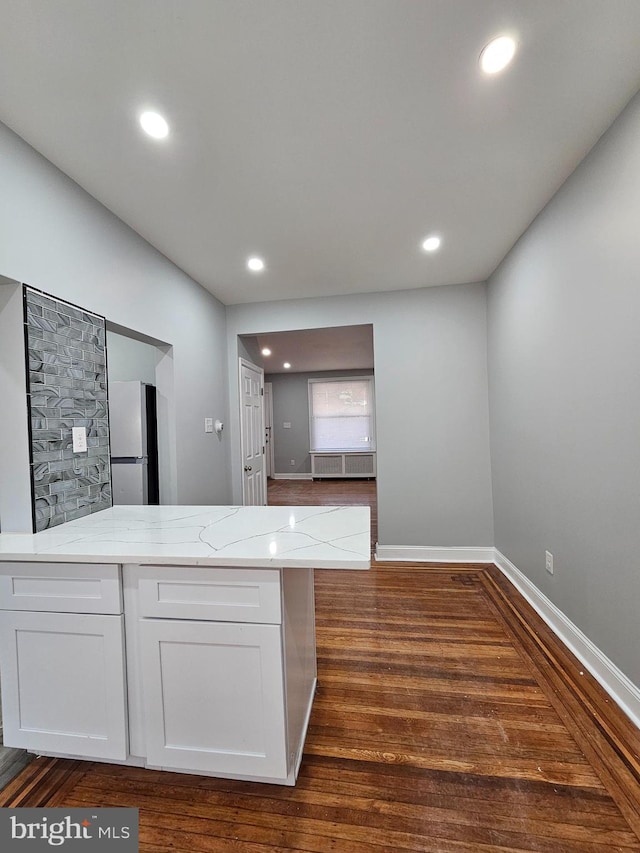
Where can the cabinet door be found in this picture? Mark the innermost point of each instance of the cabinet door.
(214, 697)
(63, 683)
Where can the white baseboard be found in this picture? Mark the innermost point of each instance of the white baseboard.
(427, 554)
(621, 689)
(291, 477)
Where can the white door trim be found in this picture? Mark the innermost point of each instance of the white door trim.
(243, 363)
(268, 424)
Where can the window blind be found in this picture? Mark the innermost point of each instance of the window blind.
(341, 414)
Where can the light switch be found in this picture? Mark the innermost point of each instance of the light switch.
(286, 425)
(208, 424)
(79, 439)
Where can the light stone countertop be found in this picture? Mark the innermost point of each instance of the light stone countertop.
(322, 537)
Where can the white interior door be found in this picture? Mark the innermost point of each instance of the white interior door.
(268, 429)
(254, 481)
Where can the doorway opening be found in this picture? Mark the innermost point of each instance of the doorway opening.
(305, 459)
(136, 364)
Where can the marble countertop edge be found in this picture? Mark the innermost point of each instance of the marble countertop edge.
(346, 564)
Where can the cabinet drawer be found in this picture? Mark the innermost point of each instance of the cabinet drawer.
(215, 594)
(60, 587)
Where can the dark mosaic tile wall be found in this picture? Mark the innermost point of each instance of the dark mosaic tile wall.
(67, 387)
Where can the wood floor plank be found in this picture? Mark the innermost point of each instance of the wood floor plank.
(322, 825)
(448, 719)
(334, 793)
(40, 781)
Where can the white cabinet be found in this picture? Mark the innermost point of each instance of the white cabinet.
(205, 670)
(63, 683)
(60, 587)
(62, 659)
(215, 594)
(221, 668)
(214, 697)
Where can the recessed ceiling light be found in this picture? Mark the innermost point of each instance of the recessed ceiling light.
(266, 351)
(431, 243)
(154, 124)
(497, 54)
(286, 365)
(255, 264)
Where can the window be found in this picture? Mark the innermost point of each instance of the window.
(341, 414)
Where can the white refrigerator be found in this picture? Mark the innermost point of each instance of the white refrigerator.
(134, 443)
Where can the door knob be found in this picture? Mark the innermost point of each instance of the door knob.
(248, 468)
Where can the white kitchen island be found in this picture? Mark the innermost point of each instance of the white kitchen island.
(178, 638)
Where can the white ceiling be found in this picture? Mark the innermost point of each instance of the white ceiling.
(313, 350)
(328, 136)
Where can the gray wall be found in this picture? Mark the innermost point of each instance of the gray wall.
(564, 367)
(15, 458)
(249, 350)
(291, 405)
(57, 238)
(130, 359)
(434, 479)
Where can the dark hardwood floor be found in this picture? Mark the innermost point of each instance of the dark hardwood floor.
(448, 719)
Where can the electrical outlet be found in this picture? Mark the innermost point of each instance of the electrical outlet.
(208, 424)
(79, 439)
(293, 461)
(548, 561)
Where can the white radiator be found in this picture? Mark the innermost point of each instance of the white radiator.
(355, 464)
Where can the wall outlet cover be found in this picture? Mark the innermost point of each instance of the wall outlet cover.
(79, 439)
(548, 561)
